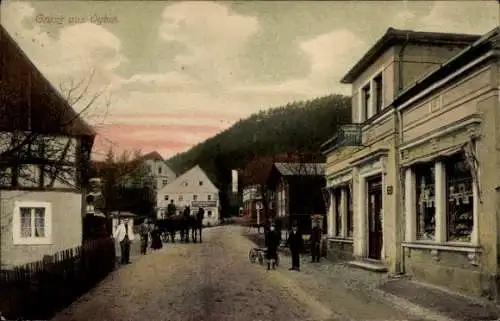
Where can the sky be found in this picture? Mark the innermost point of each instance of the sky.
(170, 74)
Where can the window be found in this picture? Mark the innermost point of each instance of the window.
(459, 185)
(425, 202)
(378, 93)
(6, 176)
(365, 92)
(452, 205)
(165, 181)
(159, 170)
(32, 223)
(165, 197)
(180, 198)
(209, 197)
(338, 211)
(209, 214)
(349, 211)
(200, 183)
(195, 197)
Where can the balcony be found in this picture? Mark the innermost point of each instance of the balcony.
(346, 135)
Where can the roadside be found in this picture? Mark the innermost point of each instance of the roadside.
(421, 300)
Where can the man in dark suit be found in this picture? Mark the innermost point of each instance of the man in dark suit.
(315, 243)
(295, 242)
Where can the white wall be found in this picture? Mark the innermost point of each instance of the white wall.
(161, 172)
(182, 191)
(65, 225)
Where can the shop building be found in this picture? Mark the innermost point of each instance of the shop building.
(416, 172)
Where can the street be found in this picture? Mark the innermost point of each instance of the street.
(215, 281)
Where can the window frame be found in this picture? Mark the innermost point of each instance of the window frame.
(378, 91)
(16, 223)
(441, 199)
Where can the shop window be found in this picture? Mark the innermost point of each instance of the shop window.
(166, 198)
(425, 204)
(195, 197)
(459, 195)
(349, 212)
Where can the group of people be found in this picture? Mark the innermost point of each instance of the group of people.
(124, 234)
(148, 231)
(295, 242)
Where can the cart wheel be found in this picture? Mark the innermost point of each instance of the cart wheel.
(251, 256)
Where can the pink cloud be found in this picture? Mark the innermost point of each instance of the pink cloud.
(198, 114)
(167, 139)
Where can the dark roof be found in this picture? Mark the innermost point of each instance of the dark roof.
(474, 51)
(396, 36)
(27, 99)
(300, 169)
(152, 156)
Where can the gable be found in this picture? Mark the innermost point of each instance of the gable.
(189, 182)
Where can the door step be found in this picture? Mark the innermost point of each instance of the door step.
(369, 265)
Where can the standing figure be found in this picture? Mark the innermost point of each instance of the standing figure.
(295, 243)
(199, 221)
(185, 223)
(272, 242)
(315, 243)
(124, 235)
(144, 232)
(171, 209)
(156, 242)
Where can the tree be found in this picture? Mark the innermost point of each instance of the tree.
(128, 184)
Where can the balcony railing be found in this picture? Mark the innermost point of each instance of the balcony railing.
(346, 135)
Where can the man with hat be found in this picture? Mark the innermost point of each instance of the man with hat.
(295, 243)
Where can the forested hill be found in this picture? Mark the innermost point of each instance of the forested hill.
(299, 126)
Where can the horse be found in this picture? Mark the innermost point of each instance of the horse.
(169, 227)
(196, 224)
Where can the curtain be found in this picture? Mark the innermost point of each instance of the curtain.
(25, 222)
(39, 222)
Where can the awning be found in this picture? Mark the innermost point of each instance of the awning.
(444, 153)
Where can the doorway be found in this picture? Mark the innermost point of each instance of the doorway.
(374, 188)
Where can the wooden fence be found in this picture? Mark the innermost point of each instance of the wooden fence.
(39, 290)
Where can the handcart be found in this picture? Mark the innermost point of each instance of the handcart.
(258, 254)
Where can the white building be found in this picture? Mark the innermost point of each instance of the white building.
(157, 169)
(192, 188)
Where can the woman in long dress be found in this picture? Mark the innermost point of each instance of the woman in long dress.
(156, 242)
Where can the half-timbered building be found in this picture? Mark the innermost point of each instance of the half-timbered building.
(44, 157)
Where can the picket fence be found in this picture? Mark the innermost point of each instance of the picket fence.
(38, 290)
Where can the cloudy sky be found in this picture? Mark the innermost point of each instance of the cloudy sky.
(175, 73)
